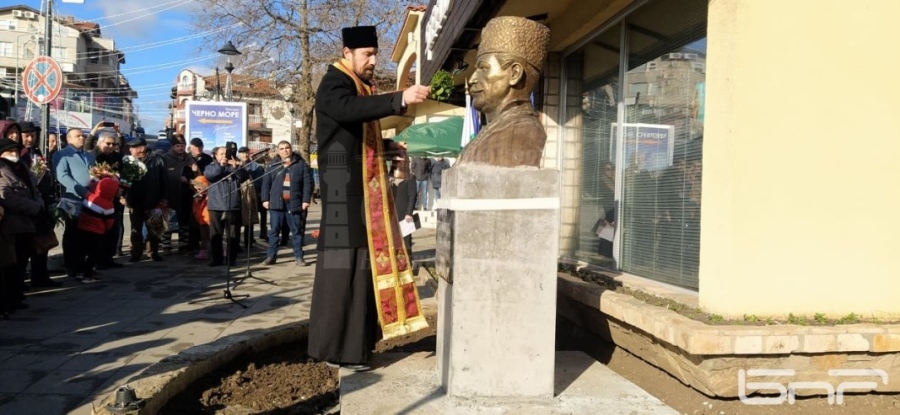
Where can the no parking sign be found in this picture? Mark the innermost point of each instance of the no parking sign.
(42, 80)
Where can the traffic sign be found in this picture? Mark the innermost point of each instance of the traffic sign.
(42, 80)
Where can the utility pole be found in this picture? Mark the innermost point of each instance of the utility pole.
(45, 114)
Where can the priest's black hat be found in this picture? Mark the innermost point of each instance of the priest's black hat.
(360, 37)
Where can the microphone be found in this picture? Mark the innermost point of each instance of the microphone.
(254, 154)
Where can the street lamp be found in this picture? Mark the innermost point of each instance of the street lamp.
(228, 50)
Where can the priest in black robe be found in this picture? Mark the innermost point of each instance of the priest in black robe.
(344, 323)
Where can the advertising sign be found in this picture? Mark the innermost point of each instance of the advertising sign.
(647, 146)
(216, 122)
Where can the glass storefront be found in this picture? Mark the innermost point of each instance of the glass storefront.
(641, 141)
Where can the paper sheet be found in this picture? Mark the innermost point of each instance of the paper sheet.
(407, 228)
(607, 233)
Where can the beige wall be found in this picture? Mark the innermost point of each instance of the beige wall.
(801, 183)
(435, 109)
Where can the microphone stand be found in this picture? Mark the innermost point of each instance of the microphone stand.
(227, 295)
(248, 273)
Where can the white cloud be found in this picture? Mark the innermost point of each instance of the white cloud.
(139, 19)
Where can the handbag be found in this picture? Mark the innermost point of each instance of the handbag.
(44, 242)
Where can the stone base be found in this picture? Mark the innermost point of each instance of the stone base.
(710, 359)
(408, 384)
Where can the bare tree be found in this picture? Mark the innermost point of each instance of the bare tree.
(291, 42)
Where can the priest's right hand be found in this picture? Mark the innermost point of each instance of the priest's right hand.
(415, 94)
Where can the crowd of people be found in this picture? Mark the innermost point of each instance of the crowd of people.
(88, 182)
(206, 199)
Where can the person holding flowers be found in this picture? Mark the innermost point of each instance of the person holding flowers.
(146, 179)
(109, 161)
(22, 203)
(31, 155)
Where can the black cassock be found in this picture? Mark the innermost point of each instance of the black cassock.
(343, 319)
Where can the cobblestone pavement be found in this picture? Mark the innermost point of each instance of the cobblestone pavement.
(77, 343)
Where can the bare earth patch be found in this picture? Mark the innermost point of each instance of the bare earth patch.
(280, 381)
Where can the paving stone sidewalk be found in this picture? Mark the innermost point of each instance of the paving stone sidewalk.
(77, 343)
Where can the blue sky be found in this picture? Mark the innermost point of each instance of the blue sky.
(150, 33)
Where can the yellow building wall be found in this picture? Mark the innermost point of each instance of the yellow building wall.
(431, 108)
(801, 179)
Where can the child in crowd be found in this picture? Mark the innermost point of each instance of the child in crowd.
(201, 214)
(96, 219)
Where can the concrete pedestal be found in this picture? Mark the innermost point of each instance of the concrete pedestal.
(498, 238)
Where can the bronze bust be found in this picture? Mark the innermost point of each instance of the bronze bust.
(507, 68)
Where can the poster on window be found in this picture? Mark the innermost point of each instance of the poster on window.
(647, 146)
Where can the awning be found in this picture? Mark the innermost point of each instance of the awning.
(442, 138)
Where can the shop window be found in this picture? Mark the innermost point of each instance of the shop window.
(597, 66)
(638, 198)
(660, 209)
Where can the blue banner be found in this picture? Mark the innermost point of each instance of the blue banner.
(216, 123)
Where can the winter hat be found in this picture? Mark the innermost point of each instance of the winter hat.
(100, 200)
(7, 144)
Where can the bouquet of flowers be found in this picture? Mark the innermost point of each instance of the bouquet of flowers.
(100, 171)
(132, 171)
(39, 167)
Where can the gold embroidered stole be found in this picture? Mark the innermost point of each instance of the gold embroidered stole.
(396, 296)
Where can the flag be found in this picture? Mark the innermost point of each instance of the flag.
(470, 122)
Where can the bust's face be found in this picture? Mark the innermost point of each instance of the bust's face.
(490, 84)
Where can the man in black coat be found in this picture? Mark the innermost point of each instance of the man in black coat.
(144, 195)
(404, 189)
(224, 205)
(286, 193)
(421, 171)
(343, 316)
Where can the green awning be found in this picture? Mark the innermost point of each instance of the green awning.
(441, 138)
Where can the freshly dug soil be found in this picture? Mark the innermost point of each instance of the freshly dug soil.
(280, 381)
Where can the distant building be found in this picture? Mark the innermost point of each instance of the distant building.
(94, 88)
(269, 118)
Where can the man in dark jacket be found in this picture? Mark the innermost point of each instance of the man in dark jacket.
(179, 170)
(404, 189)
(286, 193)
(201, 159)
(257, 212)
(344, 316)
(145, 195)
(224, 205)
(421, 171)
(437, 167)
